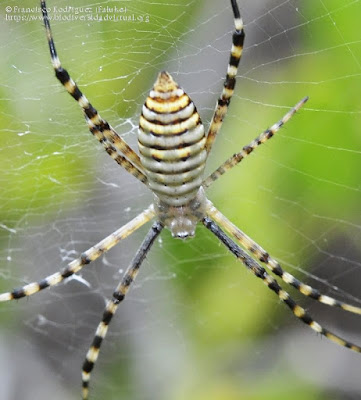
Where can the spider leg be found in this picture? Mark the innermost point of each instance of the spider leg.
(230, 81)
(263, 137)
(274, 265)
(272, 284)
(97, 125)
(122, 161)
(112, 305)
(87, 257)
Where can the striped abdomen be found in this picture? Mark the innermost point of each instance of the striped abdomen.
(171, 143)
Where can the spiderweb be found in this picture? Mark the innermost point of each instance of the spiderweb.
(195, 325)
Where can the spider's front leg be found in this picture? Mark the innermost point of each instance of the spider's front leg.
(87, 257)
(272, 284)
(112, 305)
(273, 265)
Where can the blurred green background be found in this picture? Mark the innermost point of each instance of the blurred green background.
(196, 325)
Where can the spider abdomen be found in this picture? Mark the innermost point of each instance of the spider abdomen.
(171, 142)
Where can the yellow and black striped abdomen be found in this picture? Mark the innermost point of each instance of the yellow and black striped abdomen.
(171, 143)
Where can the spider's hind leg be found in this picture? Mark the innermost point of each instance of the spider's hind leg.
(248, 149)
(230, 81)
(99, 127)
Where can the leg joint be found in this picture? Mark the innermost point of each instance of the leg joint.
(119, 296)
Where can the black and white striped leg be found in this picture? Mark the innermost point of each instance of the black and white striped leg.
(230, 81)
(86, 258)
(112, 305)
(273, 265)
(97, 125)
(262, 138)
(272, 284)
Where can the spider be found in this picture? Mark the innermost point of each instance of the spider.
(173, 151)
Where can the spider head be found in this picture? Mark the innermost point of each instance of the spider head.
(181, 223)
(182, 220)
(182, 227)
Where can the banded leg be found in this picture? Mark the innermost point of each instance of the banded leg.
(272, 284)
(122, 161)
(105, 133)
(263, 137)
(87, 257)
(272, 264)
(230, 81)
(112, 305)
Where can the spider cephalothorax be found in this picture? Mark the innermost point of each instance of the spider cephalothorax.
(182, 220)
(173, 150)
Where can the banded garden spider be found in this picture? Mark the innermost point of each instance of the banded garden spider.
(173, 150)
